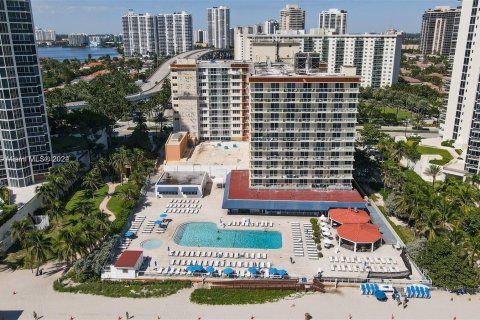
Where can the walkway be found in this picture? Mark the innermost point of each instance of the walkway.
(103, 204)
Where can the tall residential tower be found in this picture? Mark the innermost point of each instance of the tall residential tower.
(462, 122)
(25, 151)
(139, 34)
(439, 30)
(292, 17)
(219, 27)
(334, 20)
(175, 33)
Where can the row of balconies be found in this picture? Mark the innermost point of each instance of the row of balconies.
(300, 139)
(302, 100)
(255, 109)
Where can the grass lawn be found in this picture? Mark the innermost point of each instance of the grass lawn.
(222, 296)
(447, 157)
(404, 233)
(125, 288)
(96, 200)
(402, 114)
(115, 204)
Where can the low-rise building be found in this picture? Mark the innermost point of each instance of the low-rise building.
(186, 184)
(126, 266)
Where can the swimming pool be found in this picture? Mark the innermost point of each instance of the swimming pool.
(151, 244)
(206, 234)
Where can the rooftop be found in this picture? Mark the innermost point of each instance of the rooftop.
(20, 196)
(240, 190)
(220, 153)
(359, 232)
(347, 216)
(181, 178)
(176, 138)
(128, 259)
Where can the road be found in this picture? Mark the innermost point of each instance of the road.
(163, 71)
(396, 131)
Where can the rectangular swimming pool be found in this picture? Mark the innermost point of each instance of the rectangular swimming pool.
(206, 234)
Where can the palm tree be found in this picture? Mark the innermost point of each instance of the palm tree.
(446, 211)
(83, 207)
(19, 230)
(92, 181)
(433, 171)
(67, 245)
(120, 160)
(129, 193)
(160, 119)
(47, 193)
(430, 226)
(38, 247)
(56, 210)
(473, 245)
(456, 235)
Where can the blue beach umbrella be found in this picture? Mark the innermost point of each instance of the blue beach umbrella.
(228, 270)
(198, 267)
(210, 269)
(380, 295)
(158, 221)
(163, 215)
(272, 270)
(282, 272)
(129, 234)
(190, 268)
(252, 270)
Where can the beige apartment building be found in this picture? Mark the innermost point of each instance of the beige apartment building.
(292, 17)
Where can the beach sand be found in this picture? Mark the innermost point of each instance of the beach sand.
(36, 294)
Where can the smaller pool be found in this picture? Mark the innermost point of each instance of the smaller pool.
(151, 244)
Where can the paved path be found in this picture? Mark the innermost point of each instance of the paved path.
(103, 204)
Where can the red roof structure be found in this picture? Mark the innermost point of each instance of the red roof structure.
(359, 233)
(128, 259)
(348, 216)
(240, 190)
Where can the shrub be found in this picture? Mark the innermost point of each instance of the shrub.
(320, 255)
(222, 296)
(9, 211)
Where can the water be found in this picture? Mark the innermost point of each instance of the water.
(59, 53)
(151, 244)
(206, 234)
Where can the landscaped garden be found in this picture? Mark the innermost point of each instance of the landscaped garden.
(220, 296)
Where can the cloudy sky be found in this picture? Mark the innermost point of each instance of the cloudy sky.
(103, 16)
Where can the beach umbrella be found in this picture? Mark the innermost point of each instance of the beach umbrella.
(272, 270)
(219, 144)
(163, 215)
(190, 269)
(252, 270)
(228, 271)
(380, 295)
(282, 272)
(158, 221)
(210, 269)
(129, 234)
(197, 267)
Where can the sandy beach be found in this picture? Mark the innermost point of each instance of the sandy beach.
(36, 294)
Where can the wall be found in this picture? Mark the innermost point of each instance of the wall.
(29, 207)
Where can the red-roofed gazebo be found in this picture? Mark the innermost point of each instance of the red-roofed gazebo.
(359, 234)
(348, 216)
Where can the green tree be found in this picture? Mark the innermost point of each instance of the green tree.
(39, 246)
(20, 229)
(433, 171)
(369, 135)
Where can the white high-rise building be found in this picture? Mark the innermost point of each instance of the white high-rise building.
(25, 149)
(375, 56)
(334, 20)
(201, 36)
(78, 39)
(44, 35)
(219, 27)
(208, 99)
(175, 33)
(271, 26)
(462, 121)
(292, 17)
(139, 34)
(439, 30)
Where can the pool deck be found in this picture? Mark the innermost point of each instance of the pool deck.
(211, 211)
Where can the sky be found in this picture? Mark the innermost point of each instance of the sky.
(104, 16)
